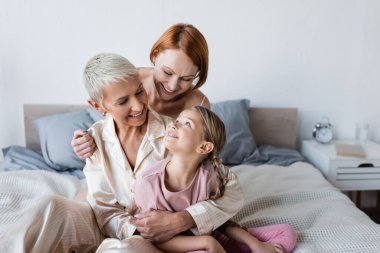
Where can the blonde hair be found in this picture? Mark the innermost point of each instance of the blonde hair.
(103, 70)
(191, 41)
(214, 131)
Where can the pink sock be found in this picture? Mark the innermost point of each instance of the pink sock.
(282, 234)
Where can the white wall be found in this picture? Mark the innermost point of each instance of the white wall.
(2, 105)
(321, 56)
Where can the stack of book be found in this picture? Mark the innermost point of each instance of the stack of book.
(354, 150)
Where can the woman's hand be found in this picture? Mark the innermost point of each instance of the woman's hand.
(160, 226)
(83, 144)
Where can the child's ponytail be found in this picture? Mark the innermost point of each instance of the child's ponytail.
(221, 172)
(214, 131)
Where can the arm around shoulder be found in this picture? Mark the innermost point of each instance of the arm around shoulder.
(211, 214)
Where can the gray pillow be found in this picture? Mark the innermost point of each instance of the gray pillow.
(56, 132)
(240, 146)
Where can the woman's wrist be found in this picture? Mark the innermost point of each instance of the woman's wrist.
(184, 221)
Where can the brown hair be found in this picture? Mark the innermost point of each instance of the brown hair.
(191, 41)
(214, 131)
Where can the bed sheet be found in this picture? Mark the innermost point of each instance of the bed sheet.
(325, 219)
(22, 190)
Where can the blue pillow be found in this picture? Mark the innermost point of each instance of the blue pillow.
(21, 158)
(56, 132)
(240, 146)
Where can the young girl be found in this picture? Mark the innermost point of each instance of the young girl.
(195, 173)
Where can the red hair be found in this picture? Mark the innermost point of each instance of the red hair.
(191, 41)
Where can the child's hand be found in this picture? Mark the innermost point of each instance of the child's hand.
(212, 245)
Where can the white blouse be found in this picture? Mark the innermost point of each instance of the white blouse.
(110, 178)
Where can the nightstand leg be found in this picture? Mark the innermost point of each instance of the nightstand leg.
(358, 198)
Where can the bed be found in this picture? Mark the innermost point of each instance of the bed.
(279, 186)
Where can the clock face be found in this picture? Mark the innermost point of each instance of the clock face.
(324, 135)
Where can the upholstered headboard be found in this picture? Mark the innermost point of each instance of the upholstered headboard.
(274, 126)
(271, 126)
(35, 111)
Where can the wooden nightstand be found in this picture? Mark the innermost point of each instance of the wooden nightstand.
(346, 173)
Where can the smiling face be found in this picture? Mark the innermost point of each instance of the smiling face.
(185, 135)
(174, 73)
(126, 101)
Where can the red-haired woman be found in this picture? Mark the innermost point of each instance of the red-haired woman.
(180, 68)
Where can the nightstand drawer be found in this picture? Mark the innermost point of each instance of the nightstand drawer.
(357, 173)
(350, 174)
(363, 171)
(355, 163)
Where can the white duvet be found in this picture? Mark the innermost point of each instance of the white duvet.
(325, 219)
(21, 191)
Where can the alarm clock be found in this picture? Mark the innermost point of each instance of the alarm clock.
(323, 131)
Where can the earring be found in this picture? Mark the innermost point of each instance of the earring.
(104, 114)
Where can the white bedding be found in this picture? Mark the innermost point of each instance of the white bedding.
(325, 219)
(21, 190)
